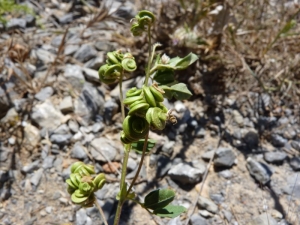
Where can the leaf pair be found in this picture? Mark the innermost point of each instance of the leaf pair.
(159, 200)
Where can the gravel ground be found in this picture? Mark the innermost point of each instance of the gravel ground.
(233, 157)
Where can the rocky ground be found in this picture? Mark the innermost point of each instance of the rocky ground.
(232, 157)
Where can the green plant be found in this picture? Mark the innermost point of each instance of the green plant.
(9, 6)
(146, 111)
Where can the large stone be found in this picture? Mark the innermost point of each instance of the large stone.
(103, 149)
(46, 115)
(207, 204)
(224, 157)
(74, 75)
(89, 104)
(31, 136)
(85, 53)
(259, 171)
(185, 173)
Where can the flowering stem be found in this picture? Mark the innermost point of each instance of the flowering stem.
(149, 55)
(121, 96)
(140, 164)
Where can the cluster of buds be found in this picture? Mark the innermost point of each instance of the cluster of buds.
(142, 19)
(83, 182)
(116, 63)
(146, 111)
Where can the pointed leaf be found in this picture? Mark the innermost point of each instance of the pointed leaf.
(180, 91)
(182, 63)
(170, 211)
(159, 198)
(138, 146)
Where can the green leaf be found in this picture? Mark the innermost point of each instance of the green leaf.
(164, 76)
(168, 91)
(180, 91)
(170, 211)
(182, 63)
(159, 198)
(138, 146)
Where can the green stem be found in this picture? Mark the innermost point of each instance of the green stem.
(125, 161)
(122, 183)
(149, 55)
(140, 165)
(121, 97)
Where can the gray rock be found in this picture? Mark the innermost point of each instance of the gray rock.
(224, 157)
(296, 145)
(78, 151)
(237, 117)
(103, 149)
(179, 106)
(227, 215)
(198, 220)
(91, 75)
(132, 164)
(48, 162)
(208, 155)
(30, 20)
(89, 104)
(60, 139)
(5, 193)
(44, 93)
(258, 171)
(16, 23)
(71, 49)
(164, 164)
(217, 198)
(62, 129)
(74, 75)
(207, 204)
(277, 140)
(295, 163)
(168, 147)
(97, 127)
(110, 109)
(31, 167)
(289, 133)
(35, 179)
(44, 55)
(275, 157)
(85, 53)
(66, 105)
(104, 46)
(227, 174)
(31, 136)
(81, 216)
(263, 219)
(185, 173)
(175, 221)
(46, 116)
(73, 125)
(66, 18)
(200, 132)
(56, 41)
(95, 63)
(7, 97)
(251, 139)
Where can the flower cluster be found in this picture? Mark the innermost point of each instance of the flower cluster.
(83, 183)
(142, 19)
(116, 63)
(146, 111)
